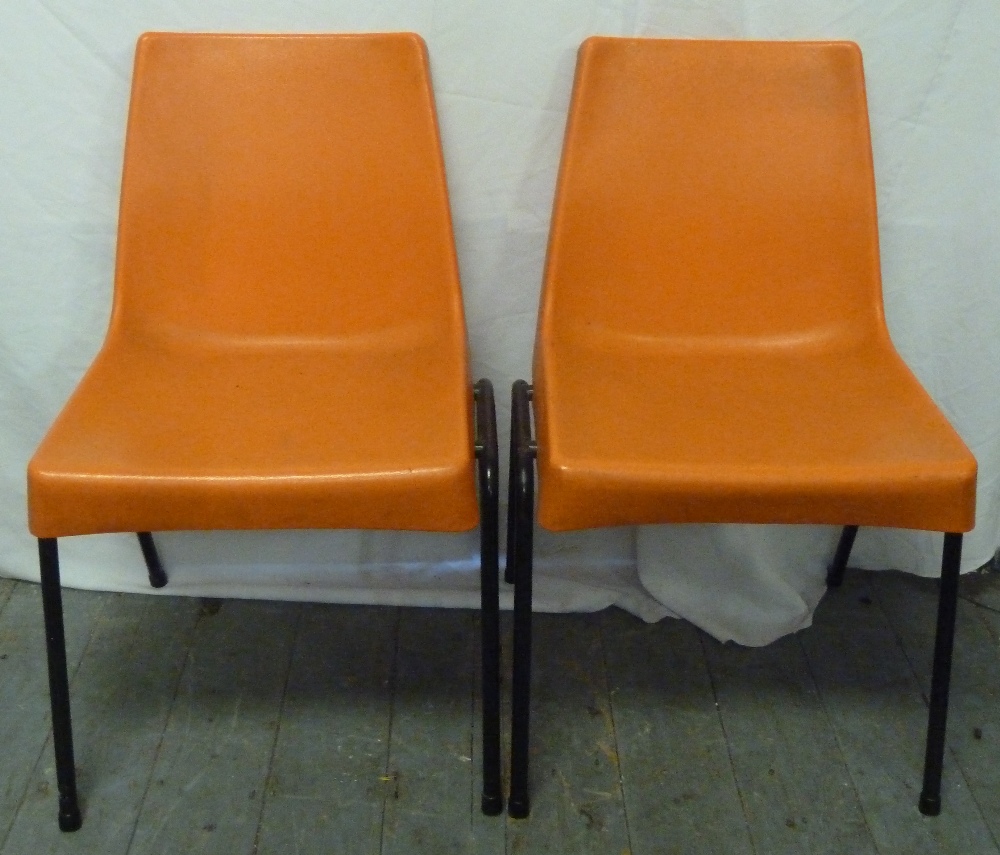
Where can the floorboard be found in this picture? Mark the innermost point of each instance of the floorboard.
(910, 604)
(25, 722)
(796, 790)
(879, 715)
(436, 795)
(207, 786)
(268, 728)
(576, 796)
(6, 589)
(329, 778)
(679, 787)
(121, 695)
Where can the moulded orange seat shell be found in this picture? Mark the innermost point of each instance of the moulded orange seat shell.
(711, 343)
(287, 347)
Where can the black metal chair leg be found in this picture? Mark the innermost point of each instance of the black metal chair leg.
(524, 501)
(489, 506)
(835, 572)
(62, 726)
(511, 559)
(157, 576)
(930, 796)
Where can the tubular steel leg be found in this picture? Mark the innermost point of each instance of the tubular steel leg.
(62, 726)
(930, 796)
(524, 500)
(835, 572)
(489, 502)
(157, 576)
(508, 573)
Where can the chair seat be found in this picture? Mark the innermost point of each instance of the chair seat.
(667, 434)
(165, 436)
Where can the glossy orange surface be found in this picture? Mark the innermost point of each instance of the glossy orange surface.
(711, 342)
(287, 347)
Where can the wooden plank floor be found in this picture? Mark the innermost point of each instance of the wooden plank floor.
(257, 727)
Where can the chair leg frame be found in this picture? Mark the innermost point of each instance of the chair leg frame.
(487, 457)
(835, 572)
(520, 529)
(512, 482)
(520, 523)
(157, 575)
(944, 642)
(55, 646)
(488, 460)
(70, 818)
(519, 568)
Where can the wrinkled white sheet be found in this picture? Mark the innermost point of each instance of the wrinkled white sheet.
(502, 74)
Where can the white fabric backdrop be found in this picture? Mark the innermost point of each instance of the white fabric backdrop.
(502, 74)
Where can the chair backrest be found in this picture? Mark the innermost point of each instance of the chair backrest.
(716, 194)
(284, 188)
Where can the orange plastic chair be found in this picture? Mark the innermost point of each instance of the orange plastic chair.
(711, 343)
(287, 347)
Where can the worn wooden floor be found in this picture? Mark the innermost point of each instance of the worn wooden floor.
(284, 728)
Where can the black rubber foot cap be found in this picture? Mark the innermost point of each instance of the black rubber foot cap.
(833, 580)
(930, 805)
(492, 805)
(518, 808)
(69, 818)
